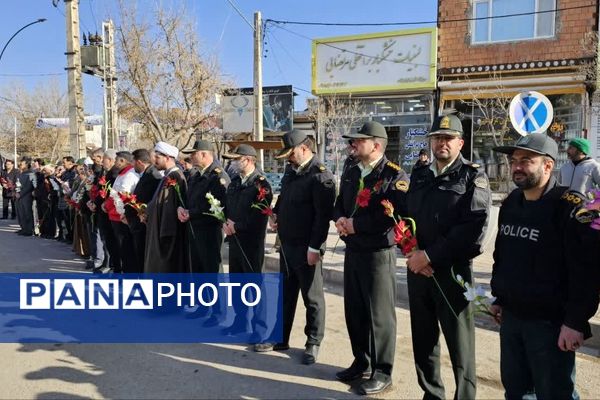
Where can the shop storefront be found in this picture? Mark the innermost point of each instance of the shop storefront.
(483, 108)
(390, 77)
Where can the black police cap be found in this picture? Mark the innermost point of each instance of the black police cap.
(371, 129)
(539, 143)
(290, 140)
(201, 145)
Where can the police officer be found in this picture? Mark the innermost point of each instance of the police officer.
(206, 177)
(450, 202)
(545, 276)
(246, 226)
(302, 214)
(370, 260)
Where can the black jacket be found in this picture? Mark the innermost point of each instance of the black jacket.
(546, 264)
(373, 227)
(450, 212)
(213, 180)
(250, 222)
(305, 205)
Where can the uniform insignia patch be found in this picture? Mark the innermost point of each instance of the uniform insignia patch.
(321, 168)
(481, 182)
(217, 170)
(475, 165)
(392, 165)
(402, 186)
(445, 123)
(222, 181)
(572, 198)
(261, 178)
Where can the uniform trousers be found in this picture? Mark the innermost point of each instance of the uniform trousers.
(429, 311)
(369, 307)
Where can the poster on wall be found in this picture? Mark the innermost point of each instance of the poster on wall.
(412, 141)
(278, 109)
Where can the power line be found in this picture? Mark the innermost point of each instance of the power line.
(35, 74)
(441, 21)
(232, 4)
(93, 14)
(351, 51)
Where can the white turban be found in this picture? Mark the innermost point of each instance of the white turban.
(166, 149)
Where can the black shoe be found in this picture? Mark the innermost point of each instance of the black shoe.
(212, 321)
(377, 384)
(200, 312)
(352, 373)
(281, 347)
(25, 234)
(310, 354)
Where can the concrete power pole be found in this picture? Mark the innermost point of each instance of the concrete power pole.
(76, 127)
(110, 139)
(258, 97)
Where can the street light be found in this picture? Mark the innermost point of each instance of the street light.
(17, 32)
(1, 54)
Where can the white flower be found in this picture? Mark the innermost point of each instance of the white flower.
(470, 293)
(460, 280)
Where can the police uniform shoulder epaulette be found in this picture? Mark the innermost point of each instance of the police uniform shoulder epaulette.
(218, 170)
(573, 198)
(393, 166)
(472, 164)
(321, 167)
(261, 178)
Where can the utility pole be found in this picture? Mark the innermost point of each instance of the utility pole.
(76, 127)
(258, 97)
(110, 137)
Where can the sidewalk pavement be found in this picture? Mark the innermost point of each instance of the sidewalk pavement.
(195, 370)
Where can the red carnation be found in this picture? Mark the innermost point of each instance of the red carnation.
(171, 182)
(262, 193)
(363, 197)
(102, 181)
(94, 192)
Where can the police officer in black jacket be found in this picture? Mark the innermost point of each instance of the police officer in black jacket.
(302, 214)
(545, 276)
(205, 177)
(246, 228)
(450, 201)
(370, 260)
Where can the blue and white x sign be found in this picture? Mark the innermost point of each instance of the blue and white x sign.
(531, 112)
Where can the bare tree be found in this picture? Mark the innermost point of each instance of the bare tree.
(165, 82)
(27, 105)
(589, 68)
(334, 116)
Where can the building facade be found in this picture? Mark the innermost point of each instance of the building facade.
(490, 50)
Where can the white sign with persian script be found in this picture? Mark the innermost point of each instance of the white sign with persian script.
(382, 62)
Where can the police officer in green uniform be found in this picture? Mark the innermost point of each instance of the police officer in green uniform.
(205, 177)
(301, 216)
(370, 260)
(246, 228)
(450, 202)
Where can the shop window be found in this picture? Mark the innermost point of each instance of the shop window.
(536, 20)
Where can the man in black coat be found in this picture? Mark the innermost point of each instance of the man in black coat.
(545, 276)
(370, 259)
(246, 229)
(207, 176)
(450, 201)
(301, 217)
(24, 195)
(150, 178)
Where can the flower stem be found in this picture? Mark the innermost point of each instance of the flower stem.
(444, 296)
(243, 252)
